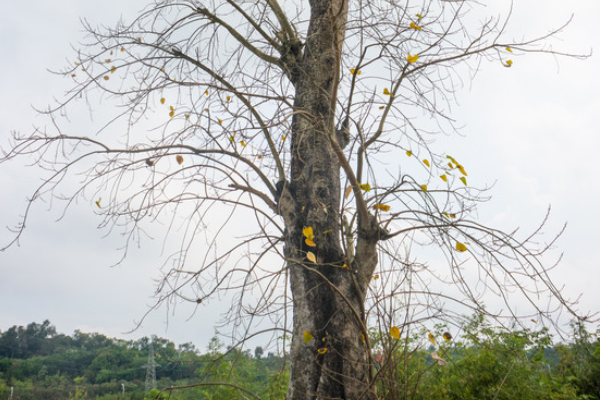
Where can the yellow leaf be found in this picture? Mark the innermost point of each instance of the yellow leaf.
(375, 277)
(451, 165)
(447, 336)
(365, 186)
(408, 153)
(460, 247)
(452, 159)
(452, 215)
(415, 26)
(431, 338)
(345, 266)
(311, 257)
(113, 69)
(179, 159)
(348, 191)
(395, 332)
(508, 49)
(307, 231)
(122, 49)
(206, 93)
(106, 77)
(419, 16)
(322, 350)
(231, 139)
(171, 113)
(308, 336)
(412, 59)
(310, 242)
(461, 169)
(220, 121)
(187, 116)
(107, 60)
(426, 162)
(228, 98)
(382, 207)
(243, 143)
(162, 100)
(444, 178)
(98, 202)
(352, 71)
(387, 92)
(424, 188)
(283, 137)
(508, 63)
(463, 180)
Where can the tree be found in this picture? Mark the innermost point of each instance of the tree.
(305, 116)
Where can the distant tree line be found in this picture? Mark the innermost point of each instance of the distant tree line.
(482, 362)
(39, 363)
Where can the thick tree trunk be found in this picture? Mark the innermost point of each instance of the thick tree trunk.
(328, 298)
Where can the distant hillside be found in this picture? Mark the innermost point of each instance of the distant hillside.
(37, 363)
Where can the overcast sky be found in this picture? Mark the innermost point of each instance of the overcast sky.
(532, 131)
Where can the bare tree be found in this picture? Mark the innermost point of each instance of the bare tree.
(315, 118)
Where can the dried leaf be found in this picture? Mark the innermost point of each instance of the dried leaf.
(179, 159)
(348, 191)
(431, 338)
(460, 247)
(311, 257)
(308, 336)
(382, 207)
(98, 202)
(412, 58)
(307, 231)
(395, 332)
(441, 362)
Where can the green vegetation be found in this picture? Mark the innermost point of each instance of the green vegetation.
(485, 362)
(41, 364)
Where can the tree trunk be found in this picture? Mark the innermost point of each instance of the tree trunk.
(328, 296)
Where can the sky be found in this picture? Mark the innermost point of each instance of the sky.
(531, 132)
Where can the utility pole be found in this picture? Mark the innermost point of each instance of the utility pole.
(150, 369)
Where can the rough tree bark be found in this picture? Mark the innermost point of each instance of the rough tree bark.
(328, 296)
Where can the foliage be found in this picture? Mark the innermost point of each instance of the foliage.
(484, 362)
(93, 366)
